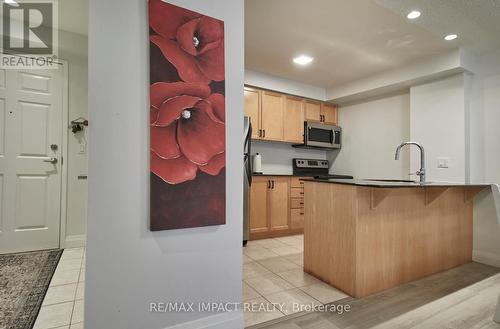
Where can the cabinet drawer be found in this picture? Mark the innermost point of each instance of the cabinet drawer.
(297, 182)
(297, 218)
(297, 192)
(296, 203)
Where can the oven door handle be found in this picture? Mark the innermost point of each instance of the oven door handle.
(332, 136)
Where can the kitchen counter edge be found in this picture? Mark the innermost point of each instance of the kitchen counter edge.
(370, 183)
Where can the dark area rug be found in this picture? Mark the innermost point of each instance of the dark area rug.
(24, 279)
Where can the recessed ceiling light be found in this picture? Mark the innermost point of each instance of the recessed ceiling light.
(414, 14)
(450, 37)
(11, 2)
(303, 60)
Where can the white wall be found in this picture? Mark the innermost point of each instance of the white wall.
(371, 131)
(485, 154)
(272, 82)
(491, 106)
(437, 119)
(73, 49)
(128, 266)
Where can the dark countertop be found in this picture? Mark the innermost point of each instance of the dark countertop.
(255, 174)
(375, 183)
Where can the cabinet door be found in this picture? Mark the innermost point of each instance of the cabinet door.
(252, 109)
(297, 218)
(278, 204)
(313, 111)
(272, 116)
(294, 120)
(259, 205)
(329, 112)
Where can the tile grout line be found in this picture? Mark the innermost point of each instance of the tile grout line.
(295, 246)
(283, 314)
(73, 301)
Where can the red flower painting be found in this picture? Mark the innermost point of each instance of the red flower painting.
(187, 118)
(193, 43)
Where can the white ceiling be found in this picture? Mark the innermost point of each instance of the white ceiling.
(353, 39)
(73, 16)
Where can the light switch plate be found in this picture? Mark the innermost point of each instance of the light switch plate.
(443, 163)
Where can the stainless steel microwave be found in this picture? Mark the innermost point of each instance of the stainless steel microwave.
(322, 135)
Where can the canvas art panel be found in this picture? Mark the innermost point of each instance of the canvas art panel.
(187, 118)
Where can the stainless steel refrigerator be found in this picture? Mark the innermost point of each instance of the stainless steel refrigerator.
(247, 178)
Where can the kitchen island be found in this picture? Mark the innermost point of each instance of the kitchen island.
(365, 236)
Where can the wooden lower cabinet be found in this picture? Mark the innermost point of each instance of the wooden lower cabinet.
(278, 204)
(273, 210)
(297, 218)
(258, 205)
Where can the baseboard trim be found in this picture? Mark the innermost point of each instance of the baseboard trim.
(227, 320)
(75, 241)
(485, 257)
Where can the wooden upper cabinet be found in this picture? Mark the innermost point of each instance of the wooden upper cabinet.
(329, 112)
(252, 109)
(272, 116)
(278, 117)
(312, 111)
(294, 120)
(278, 204)
(258, 205)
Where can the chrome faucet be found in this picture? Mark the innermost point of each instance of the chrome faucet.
(421, 172)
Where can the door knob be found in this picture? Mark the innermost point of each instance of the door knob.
(51, 160)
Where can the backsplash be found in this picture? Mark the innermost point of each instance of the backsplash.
(277, 157)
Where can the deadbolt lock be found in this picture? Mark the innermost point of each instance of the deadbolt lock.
(54, 147)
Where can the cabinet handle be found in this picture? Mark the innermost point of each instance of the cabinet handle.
(302, 213)
(301, 193)
(269, 184)
(263, 133)
(302, 203)
(272, 185)
(260, 132)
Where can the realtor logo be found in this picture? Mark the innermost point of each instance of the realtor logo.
(29, 34)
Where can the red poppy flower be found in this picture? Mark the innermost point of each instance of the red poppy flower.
(193, 43)
(187, 131)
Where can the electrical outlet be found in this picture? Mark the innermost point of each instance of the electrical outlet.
(443, 163)
(83, 148)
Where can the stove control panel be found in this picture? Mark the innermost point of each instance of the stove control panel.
(311, 163)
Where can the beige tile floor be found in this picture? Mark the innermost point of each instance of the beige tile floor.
(273, 273)
(62, 307)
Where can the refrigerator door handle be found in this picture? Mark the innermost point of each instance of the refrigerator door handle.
(247, 157)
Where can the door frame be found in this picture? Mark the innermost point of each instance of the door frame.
(64, 154)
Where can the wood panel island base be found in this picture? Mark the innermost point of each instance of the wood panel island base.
(363, 237)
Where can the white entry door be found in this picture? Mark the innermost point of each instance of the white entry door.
(30, 159)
